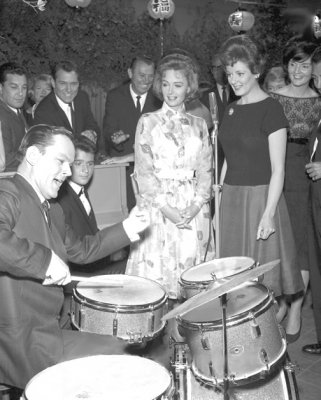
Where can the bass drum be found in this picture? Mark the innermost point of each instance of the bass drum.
(198, 278)
(102, 377)
(280, 385)
(255, 342)
(128, 307)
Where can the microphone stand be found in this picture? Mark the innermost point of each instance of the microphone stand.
(217, 190)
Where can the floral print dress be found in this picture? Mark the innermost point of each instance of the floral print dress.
(173, 165)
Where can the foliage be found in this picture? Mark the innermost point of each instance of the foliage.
(103, 38)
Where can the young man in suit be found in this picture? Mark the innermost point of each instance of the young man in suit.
(13, 91)
(124, 106)
(67, 105)
(35, 246)
(313, 169)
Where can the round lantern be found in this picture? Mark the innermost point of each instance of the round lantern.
(316, 25)
(160, 9)
(78, 3)
(241, 21)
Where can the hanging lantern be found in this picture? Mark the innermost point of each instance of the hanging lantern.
(78, 3)
(316, 25)
(160, 9)
(241, 21)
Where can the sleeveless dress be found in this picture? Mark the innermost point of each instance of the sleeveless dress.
(303, 115)
(173, 165)
(244, 135)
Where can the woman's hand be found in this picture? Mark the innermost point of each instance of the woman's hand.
(189, 213)
(266, 228)
(173, 214)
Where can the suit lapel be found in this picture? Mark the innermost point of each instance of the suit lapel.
(81, 209)
(60, 112)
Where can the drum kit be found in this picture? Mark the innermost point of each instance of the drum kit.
(232, 348)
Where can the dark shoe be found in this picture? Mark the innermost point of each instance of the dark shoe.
(291, 338)
(314, 348)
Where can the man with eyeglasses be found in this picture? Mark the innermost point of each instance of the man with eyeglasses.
(67, 105)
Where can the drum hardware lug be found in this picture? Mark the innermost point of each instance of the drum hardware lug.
(291, 367)
(265, 359)
(151, 320)
(82, 318)
(115, 324)
(255, 327)
(135, 337)
(210, 367)
(204, 340)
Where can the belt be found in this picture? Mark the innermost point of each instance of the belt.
(298, 140)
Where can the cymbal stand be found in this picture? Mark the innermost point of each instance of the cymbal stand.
(217, 190)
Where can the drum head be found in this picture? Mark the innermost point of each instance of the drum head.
(240, 300)
(101, 377)
(121, 290)
(221, 267)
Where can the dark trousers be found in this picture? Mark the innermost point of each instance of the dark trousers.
(314, 238)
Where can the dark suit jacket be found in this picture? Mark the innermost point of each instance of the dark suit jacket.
(220, 108)
(30, 336)
(49, 112)
(13, 130)
(81, 223)
(121, 114)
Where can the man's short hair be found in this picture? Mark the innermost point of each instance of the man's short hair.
(141, 58)
(11, 68)
(316, 56)
(64, 65)
(84, 144)
(41, 136)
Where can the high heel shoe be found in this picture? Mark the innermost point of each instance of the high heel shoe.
(293, 337)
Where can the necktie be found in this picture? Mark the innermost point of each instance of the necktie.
(85, 202)
(72, 115)
(224, 96)
(138, 106)
(45, 206)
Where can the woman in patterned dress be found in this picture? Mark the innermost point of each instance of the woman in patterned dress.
(302, 106)
(173, 170)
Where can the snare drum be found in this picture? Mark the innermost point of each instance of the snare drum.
(101, 377)
(128, 307)
(198, 278)
(255, 343)
(281, 385)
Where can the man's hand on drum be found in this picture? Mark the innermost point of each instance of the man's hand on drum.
(138, 219)
(58, 272)
(314, 170)
(119, 137)
(266, 228)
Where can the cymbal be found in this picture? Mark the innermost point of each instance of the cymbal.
(217, 291)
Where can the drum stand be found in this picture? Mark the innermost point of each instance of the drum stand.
(217, 190)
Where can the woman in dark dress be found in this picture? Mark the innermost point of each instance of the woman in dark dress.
(254, 217)
(302, 106)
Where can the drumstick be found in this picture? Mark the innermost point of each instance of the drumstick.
(97, 282)
(215, 292)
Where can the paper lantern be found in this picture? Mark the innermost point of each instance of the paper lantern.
(78, 3)
(316, 25)
(160, 9)
(241, 21)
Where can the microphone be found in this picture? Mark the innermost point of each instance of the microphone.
(214, 114)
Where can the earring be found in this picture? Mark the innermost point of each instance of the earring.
(257, 76)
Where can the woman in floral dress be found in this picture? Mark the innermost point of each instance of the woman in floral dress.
(173, 170)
